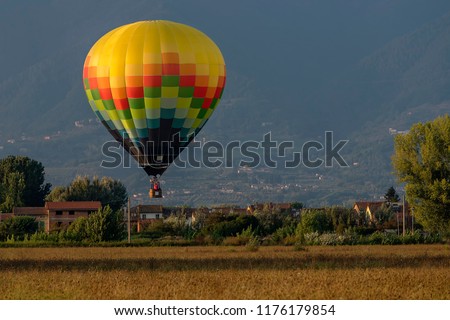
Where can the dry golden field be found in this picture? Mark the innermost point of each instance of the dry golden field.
(346, 272)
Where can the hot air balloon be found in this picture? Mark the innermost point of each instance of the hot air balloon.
(154, 85)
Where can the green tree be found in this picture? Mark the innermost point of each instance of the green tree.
(269, 220)
(13, 187)
(105, 225)
(341, 218)
(422, 160)
(220, 225)
(77, 231)
(383, 215)
(106, 190)
(314, 221)
(22, 183)
(391, 195)
(17, 227)
(57, 194)
(297, 205)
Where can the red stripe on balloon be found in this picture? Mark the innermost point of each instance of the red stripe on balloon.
(105, 94)
(170, 69)
(152, 81)
(218, 92)
(206, 103)
(93, 84)
(121, 104)
(187, 81)
(135, 92)
(200, 92)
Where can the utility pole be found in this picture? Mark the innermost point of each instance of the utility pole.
(129, 221)
(404, 217)
(398, 224)
(139, 218)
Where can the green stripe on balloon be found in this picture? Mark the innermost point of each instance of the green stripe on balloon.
(96, 94)
(124, 114)
(196, 103)
(201, 113)
(186, 92)
(170, 81)
(152, 92)
(136, 103)
(109, 104)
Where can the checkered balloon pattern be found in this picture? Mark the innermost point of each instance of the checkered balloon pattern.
(154, 85)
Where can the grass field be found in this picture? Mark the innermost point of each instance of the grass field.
(345, 272)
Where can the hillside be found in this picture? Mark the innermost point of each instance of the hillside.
(296, 70)
(404, 82)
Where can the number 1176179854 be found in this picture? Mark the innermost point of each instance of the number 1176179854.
(295, 310)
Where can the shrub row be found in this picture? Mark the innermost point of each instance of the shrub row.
(377, 237)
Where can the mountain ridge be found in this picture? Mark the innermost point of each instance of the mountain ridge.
(289, 82)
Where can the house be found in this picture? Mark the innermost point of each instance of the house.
(62, 214)
(239, 211)
(39, 213)
(223, 210)
(372, 208)
(282, 207)
(360, 207)
(56, 215)
(365, 210)
(144, 214)
(229, 210)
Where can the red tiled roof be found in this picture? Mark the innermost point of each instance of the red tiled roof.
(31, 211)
(283, 205)
(362, 205)
(74, 205)
(373, 206)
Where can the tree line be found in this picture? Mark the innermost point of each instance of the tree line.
(421, 161)
(22, 184)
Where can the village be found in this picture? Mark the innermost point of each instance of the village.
(56, 216)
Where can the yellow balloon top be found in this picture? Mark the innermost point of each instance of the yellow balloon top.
(149, 80)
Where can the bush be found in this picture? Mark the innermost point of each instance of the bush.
(413, 238)
(314, 221)
(391, 239)
(105, 225)
(432, 238)
(158, 229)
(312, 238)
(252, 245)
(245, 235)
(17, 228)
(243, 238)
(330, 239)
(376, 238)
(269, 221)
(76, 231)
(284, 235)
(230, 225)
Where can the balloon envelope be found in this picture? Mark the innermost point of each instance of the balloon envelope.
(154, 85)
